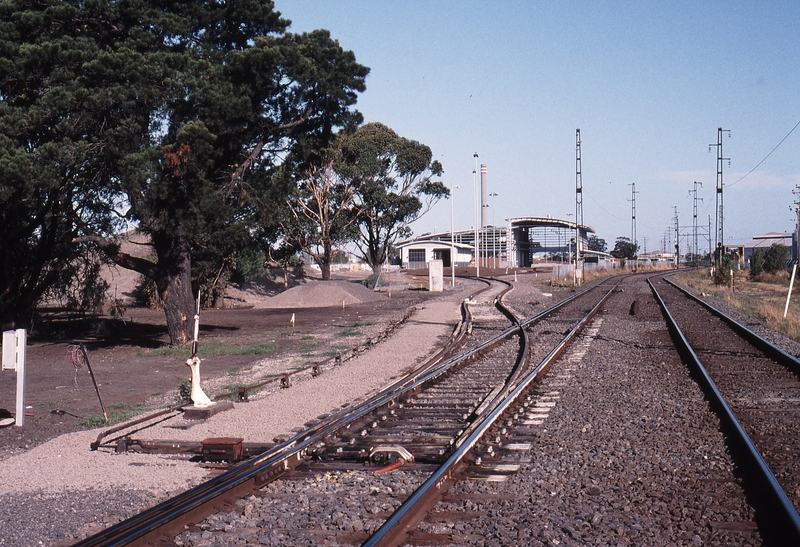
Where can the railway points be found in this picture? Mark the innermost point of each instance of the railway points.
(579, 423)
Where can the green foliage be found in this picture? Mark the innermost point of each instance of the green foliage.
(624, 248)
(215, 349)
(597, 244)
(305, 349)
(348, 332)
(392, 180)
(340, 257)
(117, 413)
(248, 263)
(722, 273)
(775, 258)
(171, 114)
(184, 392)
(321, 214)
(770, 260)
(756, 263)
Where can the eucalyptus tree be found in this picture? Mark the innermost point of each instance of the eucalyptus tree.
(393, 183)
(163, 114)
(321, 215)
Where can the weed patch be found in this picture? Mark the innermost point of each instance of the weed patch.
(348, 332)
(305, 349)
(117, 413)
(364, 324)
(215, 349)
(184, 393)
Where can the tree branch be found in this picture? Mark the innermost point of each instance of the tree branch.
(112, 250)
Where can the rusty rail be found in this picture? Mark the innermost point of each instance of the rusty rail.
(781, 513)
(171, 515)
(414, 508)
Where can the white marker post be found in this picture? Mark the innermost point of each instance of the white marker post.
(14, 345)
(789, 294)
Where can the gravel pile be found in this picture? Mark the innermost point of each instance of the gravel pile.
(323, 294)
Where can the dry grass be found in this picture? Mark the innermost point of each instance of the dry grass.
(764, 298)
(774, 278)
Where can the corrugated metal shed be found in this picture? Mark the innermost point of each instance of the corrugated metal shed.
(766, 240)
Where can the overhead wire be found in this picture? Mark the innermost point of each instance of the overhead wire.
(767, 156)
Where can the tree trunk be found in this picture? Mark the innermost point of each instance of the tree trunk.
(174, 283)
(172, 275)
(325, 269)
(325, 258)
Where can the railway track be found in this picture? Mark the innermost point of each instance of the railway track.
(462, 449)
(755, 388)
(434, 429)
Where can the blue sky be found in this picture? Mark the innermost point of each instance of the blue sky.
(647, 83)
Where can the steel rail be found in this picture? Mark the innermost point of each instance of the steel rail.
(456, 338)
(781, 513)
(258, 471)
(786, 359)
(415, 507)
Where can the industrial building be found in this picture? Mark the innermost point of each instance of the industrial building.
(767, 240)
(523, 242)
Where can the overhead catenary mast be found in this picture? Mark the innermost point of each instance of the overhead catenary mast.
(633, 218)
(677, 239)
(719, 238)
(695, 249)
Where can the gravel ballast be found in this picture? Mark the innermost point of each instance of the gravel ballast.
(69, 492)
(629, 453)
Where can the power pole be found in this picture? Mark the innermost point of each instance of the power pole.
(677, 240)
(696, 249)
(719, 241)
(578, 207)
(633, 217)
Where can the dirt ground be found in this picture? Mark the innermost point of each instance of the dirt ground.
(134, 367)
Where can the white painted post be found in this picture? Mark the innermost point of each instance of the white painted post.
(22, 341)
(14, 350)
(789, 294)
